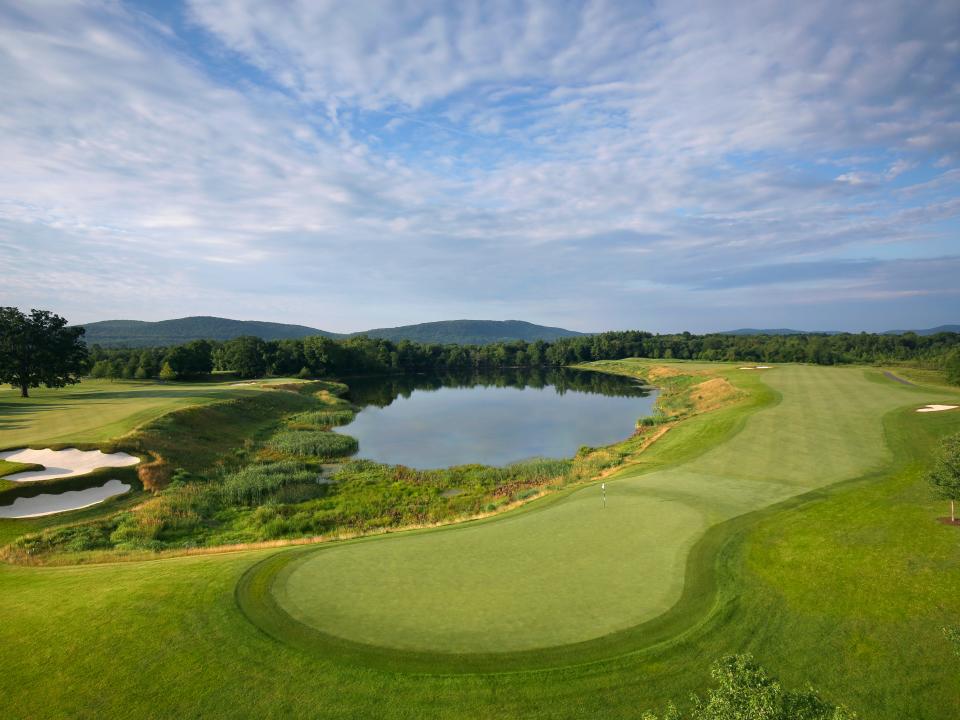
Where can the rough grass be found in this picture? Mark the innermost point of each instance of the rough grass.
(312, 443)
(712, 394)
(254, 483)
(196, 438)
(831, 589)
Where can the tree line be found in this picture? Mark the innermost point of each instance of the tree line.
(40, 348)
(318, 356)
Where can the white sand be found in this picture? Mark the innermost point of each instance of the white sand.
(937, 408)
(758, 367)
(63, 463)
(49, 504)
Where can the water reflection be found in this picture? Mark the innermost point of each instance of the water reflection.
(439, 420)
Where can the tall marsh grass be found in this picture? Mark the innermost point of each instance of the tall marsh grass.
(321, 419)
(255, 483)
(313, 443)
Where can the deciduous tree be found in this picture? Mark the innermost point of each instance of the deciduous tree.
(39, 349)
(945, 474)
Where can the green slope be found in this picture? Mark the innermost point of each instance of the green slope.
(97, 410)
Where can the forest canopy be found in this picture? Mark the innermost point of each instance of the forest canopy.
(319, 356)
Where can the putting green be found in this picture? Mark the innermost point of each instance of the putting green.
(570, 570)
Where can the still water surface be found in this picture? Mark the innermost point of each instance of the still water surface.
(433, 421)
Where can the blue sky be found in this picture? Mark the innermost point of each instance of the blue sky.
(596, 165)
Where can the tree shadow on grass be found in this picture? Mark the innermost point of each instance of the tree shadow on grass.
(13, 416)
(88, 397)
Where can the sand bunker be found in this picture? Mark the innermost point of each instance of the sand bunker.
(937, 408)
(50, 504)
(63, 463)
(758, 367)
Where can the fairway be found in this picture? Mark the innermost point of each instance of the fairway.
(572, 570)
(97, 410)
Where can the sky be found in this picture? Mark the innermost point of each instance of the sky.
(595, 165)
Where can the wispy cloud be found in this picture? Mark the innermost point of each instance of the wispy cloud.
(595, 164)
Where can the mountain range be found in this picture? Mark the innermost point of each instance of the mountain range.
(139, 333)
(788, 331)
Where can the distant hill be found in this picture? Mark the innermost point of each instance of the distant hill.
(138, 333)
(928, 331)
(788, 331)
(769, 331)
(471, 332)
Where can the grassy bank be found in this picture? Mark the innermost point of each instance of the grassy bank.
(98, 410)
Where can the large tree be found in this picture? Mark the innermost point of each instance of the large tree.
(39, 349)
(246, 356)
(945, 474)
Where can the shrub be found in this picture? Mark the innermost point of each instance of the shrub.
(746, 690)
(313, 443)
(167, 372)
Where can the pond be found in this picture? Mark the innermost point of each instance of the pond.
(437, 421)
(50, 503)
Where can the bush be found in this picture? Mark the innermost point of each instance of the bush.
(313, 443)
(745, 690)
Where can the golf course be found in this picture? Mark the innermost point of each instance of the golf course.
(791, 521)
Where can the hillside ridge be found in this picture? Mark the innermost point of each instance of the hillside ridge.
(142, 333)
